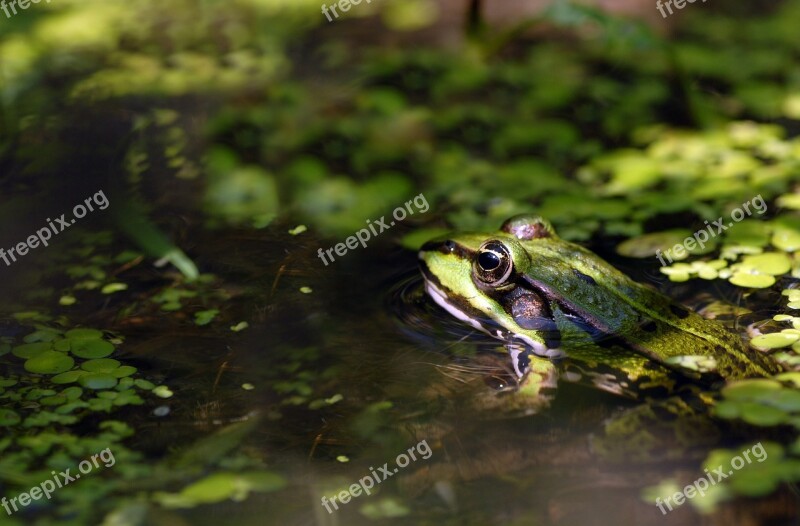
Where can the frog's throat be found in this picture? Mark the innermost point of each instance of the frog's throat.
(440, 298)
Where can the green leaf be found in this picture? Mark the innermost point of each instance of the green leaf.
(29, 350)
(84, 334)
(92, 349)
(9, 417)
(223, 486)
(125, 370)
(774, 340)
(67, 377)
(98, 381)
(49, 362)
(101, 365)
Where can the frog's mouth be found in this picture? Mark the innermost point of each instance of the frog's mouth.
(478, 320)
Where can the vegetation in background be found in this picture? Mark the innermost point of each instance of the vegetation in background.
(239, 114)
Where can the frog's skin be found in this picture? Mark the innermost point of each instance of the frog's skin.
(551, 301)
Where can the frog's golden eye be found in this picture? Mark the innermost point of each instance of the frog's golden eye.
(493, 264)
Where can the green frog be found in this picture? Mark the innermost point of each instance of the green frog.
(556, 304)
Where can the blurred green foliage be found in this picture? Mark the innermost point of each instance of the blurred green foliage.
(241, 112)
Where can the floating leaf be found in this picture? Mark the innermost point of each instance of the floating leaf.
(242, 325)
(91, 349)
(101, 365)
(67, 377)
(49, 362)
(84, 334)
(62, 345)
(125, 370)
(774, 340)
(223, 486)
(773, 263)
(113, 287)
(42, 335)
(786, 234)
(67, 300)
(53, 400)
(751, 389)
(751, 280)
(162, 391)
(72, 393)
(204, 317)
(98, 381)
(29, 350)
(144, 384)
(9, 417)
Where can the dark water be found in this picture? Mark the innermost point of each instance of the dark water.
(398, 374)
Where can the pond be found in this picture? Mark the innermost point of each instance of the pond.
(221, 302)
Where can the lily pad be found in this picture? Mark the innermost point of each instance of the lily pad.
(774, 340)
(113, 287)
(751, 280)
(98, 381)
(144, 384)
(29, 350)
(84, 334)
(92, 349)
(41, 335)
(162, 391)
(67, 377)
(72, 393)
(751, 389)
(49, 362)
(9, 418)
(223, 486)
(124, 371)
(773, 263)
(786, 234)
(205, 317)
(62, 345)
(100, 365)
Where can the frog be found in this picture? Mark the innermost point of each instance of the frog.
(556, 304)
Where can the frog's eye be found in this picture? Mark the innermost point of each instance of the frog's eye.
(493, 264)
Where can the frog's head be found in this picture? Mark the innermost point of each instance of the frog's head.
(479, 279)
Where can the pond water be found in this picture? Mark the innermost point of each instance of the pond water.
(212, 309)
